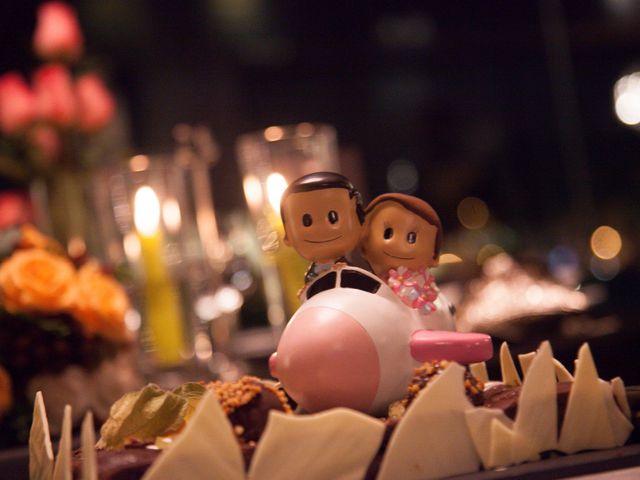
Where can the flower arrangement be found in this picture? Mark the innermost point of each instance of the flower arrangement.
(43, 125)
(37, 280)
(61, 321)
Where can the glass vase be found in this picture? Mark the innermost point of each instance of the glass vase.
(63, 208)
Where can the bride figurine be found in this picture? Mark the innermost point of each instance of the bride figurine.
(402, 240)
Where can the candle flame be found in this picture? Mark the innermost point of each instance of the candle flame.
(171, 215)
(276, 185)
(252, 192)
(146, 211)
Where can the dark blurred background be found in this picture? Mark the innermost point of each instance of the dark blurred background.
(508, 102)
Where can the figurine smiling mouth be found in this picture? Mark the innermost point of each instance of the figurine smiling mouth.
(396, 256)
(323, 241)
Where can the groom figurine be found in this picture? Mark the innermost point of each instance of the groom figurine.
(323, 219)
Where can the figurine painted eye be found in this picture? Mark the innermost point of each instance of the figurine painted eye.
(332, 216)
(411, 237)
(307, 220)
(388, 233)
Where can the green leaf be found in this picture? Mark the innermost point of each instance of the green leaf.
(193, 393)
(143, 415)
(190, 391)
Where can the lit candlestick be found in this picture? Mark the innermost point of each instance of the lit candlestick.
(161, 298)
(291, 266)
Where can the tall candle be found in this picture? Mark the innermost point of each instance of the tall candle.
(161, 297)
(291, 266)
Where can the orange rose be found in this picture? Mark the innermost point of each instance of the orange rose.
(36, 280)
(6, 399)
(101, 303)
(31, 237)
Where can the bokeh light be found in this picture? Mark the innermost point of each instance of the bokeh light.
(488, 251)
(139, 163)
(626, 96)
(202, 346)
(132, 247)
(606, 242)
(403, 176)
(228, 299)
(206, 308)
(508, 291)
(605, 270)
(132, 320)
(242, 280)
(534, 294)
(171, 215)
(473, 213)
(273, 134)
(305, 129)
(563, 263)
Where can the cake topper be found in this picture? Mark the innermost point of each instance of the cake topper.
(322, 215)
(354, 342)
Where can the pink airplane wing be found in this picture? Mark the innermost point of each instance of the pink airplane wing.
(464, 348)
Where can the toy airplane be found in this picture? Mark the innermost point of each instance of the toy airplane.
(354, 343)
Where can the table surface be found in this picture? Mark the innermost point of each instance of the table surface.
(619, 464)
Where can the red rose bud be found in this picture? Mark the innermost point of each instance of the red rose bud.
(47, 141)
(15, 209)
(55, 99)
(57, 34)
(17, 103)
(96, 105)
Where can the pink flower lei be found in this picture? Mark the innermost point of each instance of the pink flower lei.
(416, 288)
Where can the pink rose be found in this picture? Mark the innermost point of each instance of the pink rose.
(55, 98)
(57, 34)
(15, 209)
(46, 140)
(17, 103)
(95, 103)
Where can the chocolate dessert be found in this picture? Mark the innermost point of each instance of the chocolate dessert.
(491, 423)
(505, 397)
(426, 373)
(246, 402)
(125, 464)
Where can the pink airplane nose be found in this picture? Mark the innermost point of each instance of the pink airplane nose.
(326, 359)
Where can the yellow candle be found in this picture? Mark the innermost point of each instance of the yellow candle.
(291, 266)
(161, 297)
